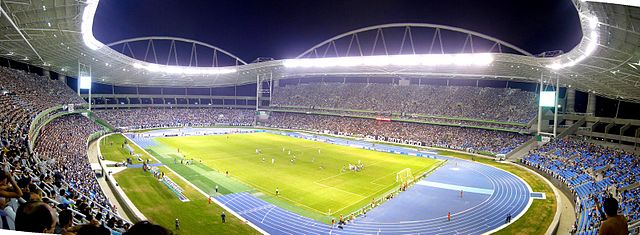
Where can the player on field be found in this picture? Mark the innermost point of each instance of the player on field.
(273, 161)
(277, 192)
(177, 224)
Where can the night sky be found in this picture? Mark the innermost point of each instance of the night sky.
(286, 28)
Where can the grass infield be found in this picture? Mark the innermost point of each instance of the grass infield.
(314, 181)
(111, 149)
(162, 206)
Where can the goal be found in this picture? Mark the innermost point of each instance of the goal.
(404, 176)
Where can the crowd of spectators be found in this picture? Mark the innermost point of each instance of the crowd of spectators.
(50, 189)
(173, 117)
(36, 93)
(592, 172)
(483, 103)
(63, 142)
(467, 139)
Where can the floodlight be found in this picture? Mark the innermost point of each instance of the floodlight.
(156, 68)
(85, 82)
(479, 59)
(547, 99)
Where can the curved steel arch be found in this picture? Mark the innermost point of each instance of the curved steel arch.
(180, 40)
(420, 25)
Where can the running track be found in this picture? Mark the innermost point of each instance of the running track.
(510, 195)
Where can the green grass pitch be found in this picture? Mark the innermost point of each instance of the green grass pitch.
(315, 180)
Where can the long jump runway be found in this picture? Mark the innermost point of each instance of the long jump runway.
(488, 196)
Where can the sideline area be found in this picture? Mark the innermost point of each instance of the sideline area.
(159, 204)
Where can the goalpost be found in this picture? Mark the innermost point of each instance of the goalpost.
(404, 176)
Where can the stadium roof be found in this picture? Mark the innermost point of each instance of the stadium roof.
(56, 35)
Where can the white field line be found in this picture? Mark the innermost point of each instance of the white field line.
(327, 186)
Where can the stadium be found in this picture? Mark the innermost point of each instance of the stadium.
(399, 127)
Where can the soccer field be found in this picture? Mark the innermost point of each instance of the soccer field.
(316, 181)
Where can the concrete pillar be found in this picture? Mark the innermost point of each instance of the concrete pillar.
(62, 78)
(591, 104)
(571, 101)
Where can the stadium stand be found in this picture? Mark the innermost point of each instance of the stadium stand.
(57, 171)
(37, 93)
(153, 118)
(592, 172)
(467, 139)
(63, 142)
(481, 103)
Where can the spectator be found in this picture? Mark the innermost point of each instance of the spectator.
(65, 221)
(613, 224)
(8, 186)
(89, 229)
(37, 217)
(147, 228)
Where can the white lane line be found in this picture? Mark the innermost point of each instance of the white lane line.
(455, 187)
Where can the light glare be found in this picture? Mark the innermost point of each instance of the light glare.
(156, 68)
(480, 59)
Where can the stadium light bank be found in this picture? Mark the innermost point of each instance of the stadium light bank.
(479, 59)
(92, 43)
(591, 47)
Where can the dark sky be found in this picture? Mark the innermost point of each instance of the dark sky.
(285, 28)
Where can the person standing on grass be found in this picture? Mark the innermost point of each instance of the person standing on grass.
(277, 191)
(216, 188)
(177, 224)
(223, 216)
